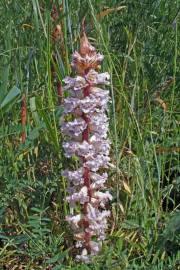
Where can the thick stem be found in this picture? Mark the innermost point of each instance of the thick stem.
(86, 176)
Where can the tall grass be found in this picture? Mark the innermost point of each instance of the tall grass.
(141, 47)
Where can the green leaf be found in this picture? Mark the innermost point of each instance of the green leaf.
(173, 227)
(171, 231)
(53, 259)
(130, 224)
(4, 237)
(57, 267)
(13, 93)
(34, 134)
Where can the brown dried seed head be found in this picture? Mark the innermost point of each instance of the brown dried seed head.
(57, 32)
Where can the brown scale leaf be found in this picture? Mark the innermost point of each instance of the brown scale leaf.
(161, 102)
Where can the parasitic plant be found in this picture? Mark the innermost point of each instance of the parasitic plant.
(85, 126)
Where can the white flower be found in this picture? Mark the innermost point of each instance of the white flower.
(100, 145)
(95, 78)
(97, 221)
(84, 257)
(75, 177)
(102, 197)
(96, 162)
(98, 180)
(73, 221)
(79, 244)
(95, 247)
(70, 104)
(74, 128)
(75, 84)
(81, 196)
(83, 149)
(99, 124)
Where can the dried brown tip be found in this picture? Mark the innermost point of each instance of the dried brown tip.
(85, 46)
(54, 13)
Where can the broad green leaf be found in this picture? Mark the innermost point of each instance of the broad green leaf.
(13, 93)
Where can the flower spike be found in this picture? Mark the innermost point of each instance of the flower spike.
(86, 138)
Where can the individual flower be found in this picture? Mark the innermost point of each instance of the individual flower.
(74, 177)
(81, 196)
(74, 128)
(73, 220)
(95, 78)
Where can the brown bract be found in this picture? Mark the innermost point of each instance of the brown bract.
(85, 46)
(57, 32)
(87, 58)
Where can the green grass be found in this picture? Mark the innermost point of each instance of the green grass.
(141, 48)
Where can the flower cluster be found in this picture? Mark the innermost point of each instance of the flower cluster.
(86, 138)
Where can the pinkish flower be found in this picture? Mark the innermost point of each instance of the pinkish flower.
(95, 247)
(81, 196)
(73, 220)
(95, 78)
(77, 83)
(96, 162)
(74, 128)
(75, 177)
(84, 257)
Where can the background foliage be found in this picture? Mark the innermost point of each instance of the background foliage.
(140, 41)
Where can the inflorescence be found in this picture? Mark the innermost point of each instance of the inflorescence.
(86, 138)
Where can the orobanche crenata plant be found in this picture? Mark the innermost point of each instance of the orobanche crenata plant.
(85, 126)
